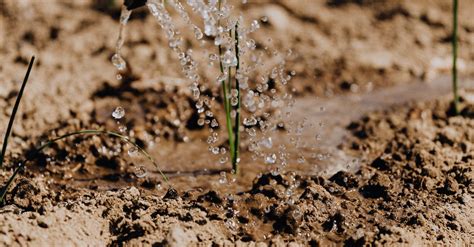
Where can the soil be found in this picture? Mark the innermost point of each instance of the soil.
(401, 175)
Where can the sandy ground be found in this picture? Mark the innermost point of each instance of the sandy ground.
(414, 185)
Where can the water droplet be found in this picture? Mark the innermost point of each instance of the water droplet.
(196, 93)
(213, 57)
(229, 59)
(140, 171)
(270, 159)
(251, 44)
(223, 178)
(234, 92)
(301, 160)
(223, 160)
(125, 15)
(200, 122)
(118, 62)
(118, 113)
(198, 33)
(255, 25)
(122, 128)
(264, 19)
(267, 142)
(214, 123)
(275, 172)
(221, 77)
(209, 28)
(133, 151)
(234, 101)
(250, 121)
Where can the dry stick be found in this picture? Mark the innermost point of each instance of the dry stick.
(235, 160)
(82, 132)
(455, 54)
(15, 109)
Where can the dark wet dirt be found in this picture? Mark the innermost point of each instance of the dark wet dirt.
(391, 166)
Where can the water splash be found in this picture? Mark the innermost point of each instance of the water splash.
(264, 96)
(117, 59)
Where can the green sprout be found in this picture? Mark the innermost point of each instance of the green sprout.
(232, 129)
(454, 44)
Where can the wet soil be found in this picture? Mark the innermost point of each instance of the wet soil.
(417, 188)
(401, 175)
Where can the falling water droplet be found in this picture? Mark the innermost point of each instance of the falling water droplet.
(223, 178)
(118, 113)
(229, 59)
(270, 159)
(267, 142)
(198, 33)
(118, 62)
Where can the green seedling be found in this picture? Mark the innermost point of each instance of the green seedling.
(232, 129)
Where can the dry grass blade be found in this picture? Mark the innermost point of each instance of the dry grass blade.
(125, 139)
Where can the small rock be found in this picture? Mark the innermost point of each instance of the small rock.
(131, 194)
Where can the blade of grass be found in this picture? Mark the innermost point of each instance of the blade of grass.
(82, 132)
(455, 55)
(227, 106)
(15, 109)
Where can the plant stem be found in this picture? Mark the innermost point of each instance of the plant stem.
(82, 132)
(15, 109)
(455, 55)
(227, 106)
(235, 160)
